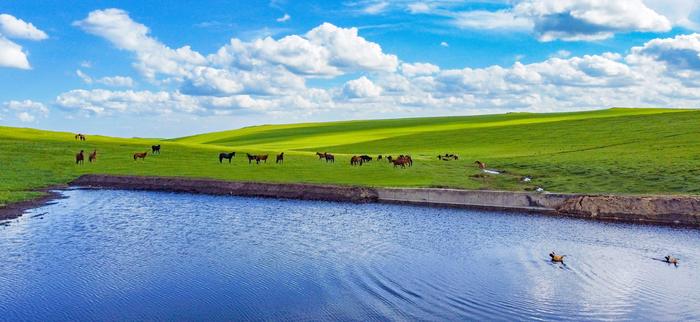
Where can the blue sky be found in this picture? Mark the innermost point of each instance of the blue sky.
(164, 68)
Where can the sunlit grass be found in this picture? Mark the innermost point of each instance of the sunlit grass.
(608, 151)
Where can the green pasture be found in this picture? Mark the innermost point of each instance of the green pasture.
(654, 151)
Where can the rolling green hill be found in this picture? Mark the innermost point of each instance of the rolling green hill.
(607, 151)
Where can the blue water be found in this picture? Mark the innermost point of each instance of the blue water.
(124, 255)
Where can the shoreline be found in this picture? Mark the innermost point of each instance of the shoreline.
(15, 210)
(663, 210)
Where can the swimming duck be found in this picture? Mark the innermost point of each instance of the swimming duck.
(671, 260)
(557, 258)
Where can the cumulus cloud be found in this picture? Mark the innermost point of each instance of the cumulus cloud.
(679, 53)
(152, 56)
(272, 76)
(12, 27)
(568, 20)
(326, 50)
(589, 20)
(361, 88)
(11, 54)
(27, 110)
(418, 69)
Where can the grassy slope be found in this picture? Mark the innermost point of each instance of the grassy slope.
(617, 150)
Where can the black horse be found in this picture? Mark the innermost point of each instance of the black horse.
(366, 158)
(228, 156)
(155, 149)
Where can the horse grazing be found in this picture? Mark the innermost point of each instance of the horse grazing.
(330, 157)
(80, 137)
(256, 158)
(366, 158)
(448, 157)
(400, 162)
(481, 165)
(280, 158)
(92, 156)
(379, 157)
(321, 155)
(228, 156)
(389, 158)
(355, 160)
(140, 155)
(155, 149)
(80, 157)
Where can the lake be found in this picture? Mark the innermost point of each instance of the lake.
(134, 255)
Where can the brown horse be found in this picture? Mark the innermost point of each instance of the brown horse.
(80, 137)
(400, 162)
(140, 155)
(481, 165)
(355, 160)
(321, 155)
(80, 157)
(257, 158)
(280, 158)
(92, 156)
(329, 157)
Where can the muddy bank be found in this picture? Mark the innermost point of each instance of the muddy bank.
(220, 187)
(671, 210)
(683, 210)
(17, 209)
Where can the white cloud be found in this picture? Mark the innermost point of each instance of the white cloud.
(573, 20)
(84, 77)
(418, 7)
(482, 19)
(376, 8)
(678, 53)
(12, 27)
(326, 50)
(568, 20)
(100, 101)
(112, 81)
(679, 12)
(286, 17)
(272, 76)
(361, 88)
(153, 57)
(11, 55)
(419, 69)
(444, 44)
(116, 81)
(27, 110)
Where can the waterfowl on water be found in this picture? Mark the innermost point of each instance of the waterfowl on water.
(557, 258)
(671, 260)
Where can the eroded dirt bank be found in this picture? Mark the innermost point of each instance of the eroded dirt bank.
(220, 187)
(673, 210)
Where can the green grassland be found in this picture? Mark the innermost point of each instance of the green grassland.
(654, 151)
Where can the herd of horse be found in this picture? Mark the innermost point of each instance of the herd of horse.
(357, 160)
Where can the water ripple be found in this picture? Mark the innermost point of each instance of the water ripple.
(121, 255)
